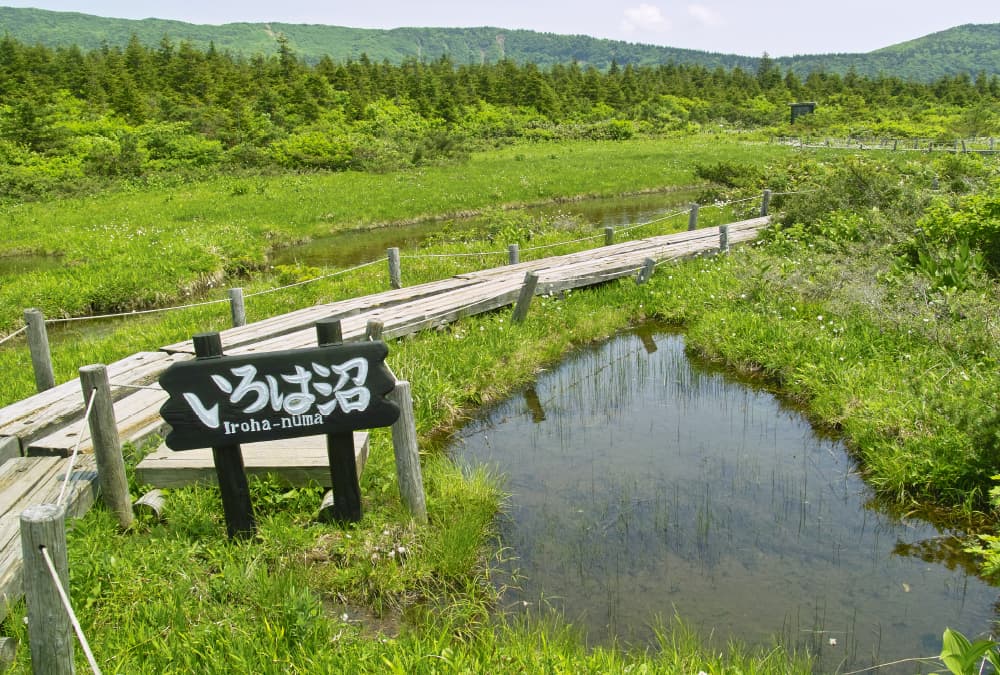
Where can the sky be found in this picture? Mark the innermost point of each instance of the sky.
(775, 27)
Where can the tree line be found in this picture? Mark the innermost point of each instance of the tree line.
(69, 116)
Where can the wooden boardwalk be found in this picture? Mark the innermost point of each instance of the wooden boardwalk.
(38, 433)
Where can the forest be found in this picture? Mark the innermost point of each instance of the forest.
(73, 120)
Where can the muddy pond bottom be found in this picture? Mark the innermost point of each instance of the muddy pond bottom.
(645, 486)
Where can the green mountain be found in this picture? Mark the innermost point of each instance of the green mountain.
(970, 49)
(965, 49)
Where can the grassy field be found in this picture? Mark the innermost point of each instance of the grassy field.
(823, 311)
(154, 246)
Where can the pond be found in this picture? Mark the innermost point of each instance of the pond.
(354, 248)
(645, 485)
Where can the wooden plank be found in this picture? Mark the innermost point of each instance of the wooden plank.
(305, 318)
(295, 461)
(40, 414)
(137, 416)
(41, 484)
(10, 447)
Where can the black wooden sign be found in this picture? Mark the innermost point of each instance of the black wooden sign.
(230, 400)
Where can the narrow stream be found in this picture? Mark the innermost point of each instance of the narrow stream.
(645, 485)
(354, 248)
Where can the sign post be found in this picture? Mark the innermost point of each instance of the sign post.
(221, 401)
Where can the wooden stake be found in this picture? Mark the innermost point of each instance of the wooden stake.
(38, 346)
(609, 235)
(237, 307)
(373, 329)
(524, 299)
(404, 445)
(340, 449)
(513, 254)
(765, 203)
(723, 238)
(228, 459)
(107, 444)
(693, 218)
(646, 273)
(50, 631)
(395, 273)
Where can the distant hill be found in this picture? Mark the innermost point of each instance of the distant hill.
(966, 49)
(971, 49)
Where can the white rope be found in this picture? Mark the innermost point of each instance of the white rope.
(309, 281)
(69, 612)
(76, 448)
(451, 255)
(14, 334)
(136, 312)
(657, 220)
(562, 243)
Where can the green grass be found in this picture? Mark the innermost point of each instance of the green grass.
(907, 376)
(155, 246)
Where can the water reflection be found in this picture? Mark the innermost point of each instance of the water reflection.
(354, 248)
(645, 485)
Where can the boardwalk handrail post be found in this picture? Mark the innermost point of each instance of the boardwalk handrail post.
(373, 329)
(50, 630)
(609, 235)
(107, 444)
(723, 238)
(228, 459)
(524, 298)
(765, 203)
(646, 271)
(404, 445)
(237, 307)
(513, 254)
(395, 272)
(693, 217)
(38, 346)
(340, 449)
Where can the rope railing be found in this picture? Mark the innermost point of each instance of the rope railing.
(480, 254)
(13, 335)
(68, 606)
(76, 448)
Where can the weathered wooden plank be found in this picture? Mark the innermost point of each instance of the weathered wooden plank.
(295, 461)
(10, 447)
(298, 320)
(137, 416)
(45, 477)
(40, 414)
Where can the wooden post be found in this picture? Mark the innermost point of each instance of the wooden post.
(38, 346)
(513, 254)
(723, 238)
(404, 445)
(228, 460)
(373, 329)
(609, 235)
(237, 308)
(765, 203)
(693, 217)
(395, 274)
(991, 144)
(107, 444)
(895, 143)
(646, 273)
(50, 631)
(524, 298)
(340, 447)
(8, 653)
(963, 146)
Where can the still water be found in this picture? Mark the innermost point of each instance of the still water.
(645, 485)
(355, 248)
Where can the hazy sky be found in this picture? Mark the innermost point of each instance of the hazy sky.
(778, 27)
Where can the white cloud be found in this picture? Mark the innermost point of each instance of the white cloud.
(705, 15)
(645, 18)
